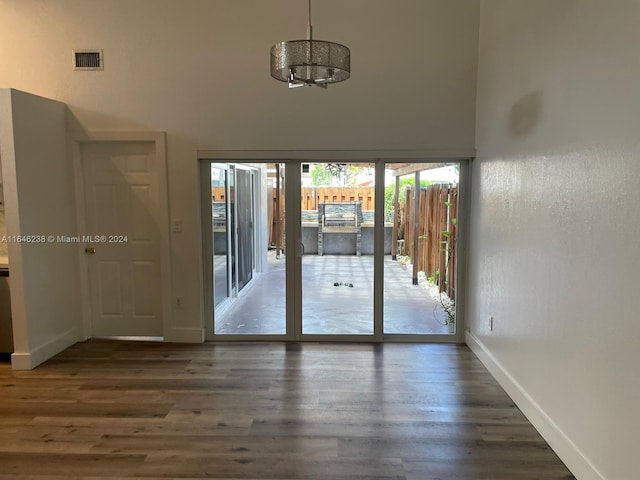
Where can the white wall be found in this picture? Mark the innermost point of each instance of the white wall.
(38, 188)
(199, 70)
(556, 222)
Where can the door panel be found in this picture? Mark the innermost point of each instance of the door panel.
(142, 224)
(109, 276)
(337, 239)
(421, 300)
(143, 294)
(239, 311)
(121, 207)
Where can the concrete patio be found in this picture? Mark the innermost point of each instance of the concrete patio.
(337, 299)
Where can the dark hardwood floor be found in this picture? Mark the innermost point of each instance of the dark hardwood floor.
(110, 409)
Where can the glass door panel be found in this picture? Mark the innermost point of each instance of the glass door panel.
(337, 222)
(420, 270)
(255, 298)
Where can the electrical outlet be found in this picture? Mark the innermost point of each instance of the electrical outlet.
(179, 302)
(177, 226)
(490, 323)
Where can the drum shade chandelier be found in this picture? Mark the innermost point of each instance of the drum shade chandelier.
(310, 62)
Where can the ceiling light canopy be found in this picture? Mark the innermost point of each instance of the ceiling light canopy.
(310, 62)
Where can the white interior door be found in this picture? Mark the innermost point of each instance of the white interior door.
(123, 251)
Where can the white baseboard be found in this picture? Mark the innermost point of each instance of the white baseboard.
(185, 335)
(572, 457)
(33, 358)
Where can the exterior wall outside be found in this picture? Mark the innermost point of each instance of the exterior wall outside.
(343, 243)
(367, 240)
(555, 221)
(339, 244)
(310, 240)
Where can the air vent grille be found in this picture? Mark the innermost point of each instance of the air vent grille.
(87, 60)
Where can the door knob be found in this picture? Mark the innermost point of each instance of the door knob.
(90, 251)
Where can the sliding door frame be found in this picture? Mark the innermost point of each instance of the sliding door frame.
(293, 160)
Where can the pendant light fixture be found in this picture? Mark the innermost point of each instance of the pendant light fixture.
(310, 62)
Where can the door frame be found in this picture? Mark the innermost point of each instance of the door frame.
(292, 233)
(259, 260)
(76, 140)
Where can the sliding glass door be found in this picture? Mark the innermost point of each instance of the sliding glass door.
(337, 223)
(354, 251)
(247, 275)
(420, 273)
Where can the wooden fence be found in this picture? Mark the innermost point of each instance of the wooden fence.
(218, 194)
(437, 233)
(312, 196)
(273, 214)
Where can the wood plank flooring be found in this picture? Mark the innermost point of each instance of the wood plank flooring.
(110, 409)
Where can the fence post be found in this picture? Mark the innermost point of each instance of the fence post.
(416, 220)
(396, 211)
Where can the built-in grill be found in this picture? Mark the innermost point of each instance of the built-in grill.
(340, 217)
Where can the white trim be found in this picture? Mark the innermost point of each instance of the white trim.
(292, 240)
(81, 222)
(462, 244)
(35, 356)
(206, 251)
(450, 338)
(378, 253)
(160, 139)
(568, 452)
(79, 136)
(187, 335)
(332, 155)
